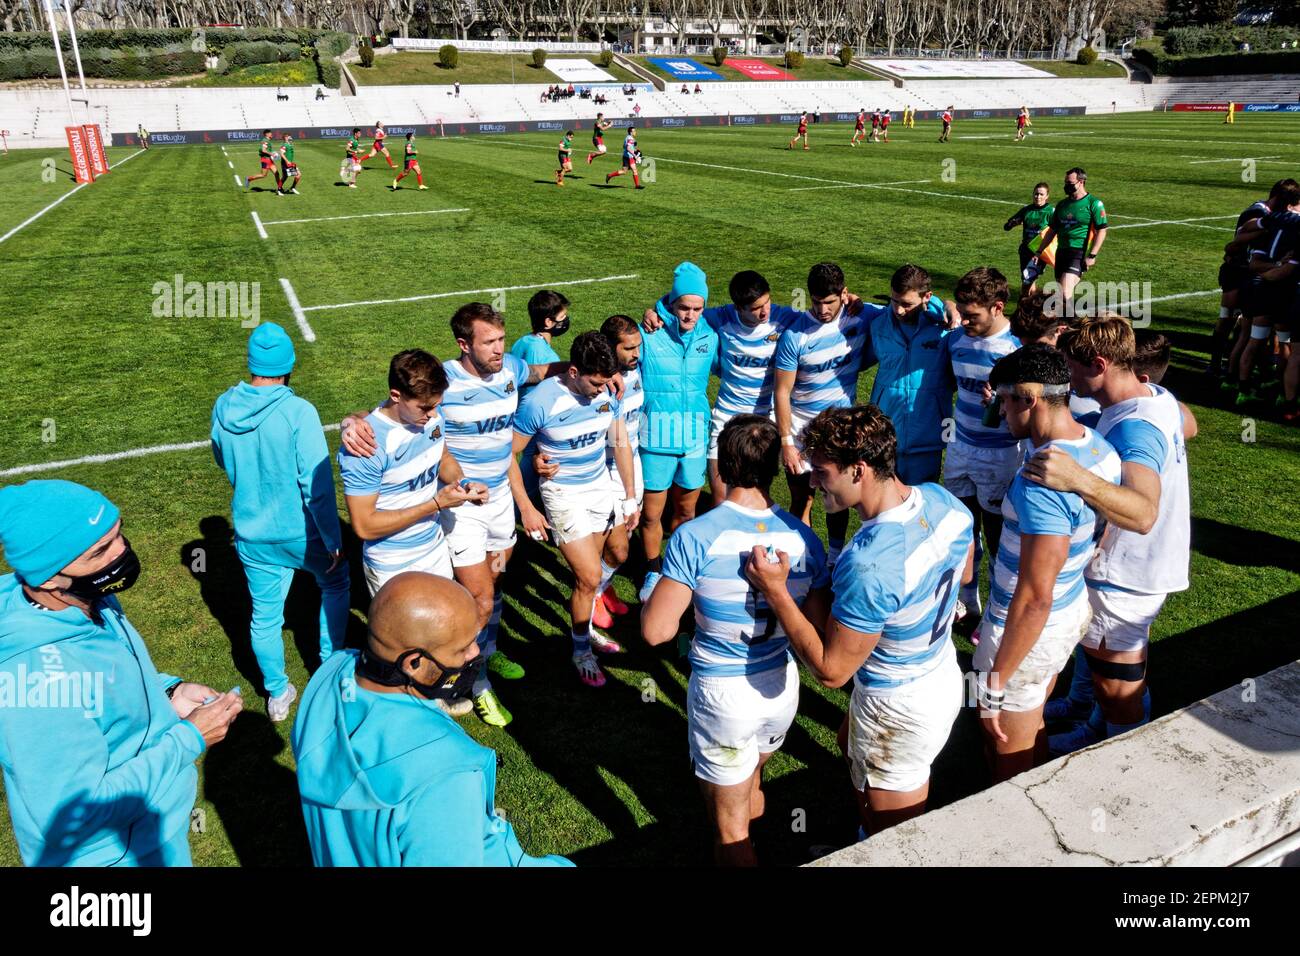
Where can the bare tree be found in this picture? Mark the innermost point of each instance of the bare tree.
(893, 16)
(750, 15)
(678, 13)
(575, 14)
(921, 17)
(515, 16)
(715, 12)
(787, 14)
(861, 18)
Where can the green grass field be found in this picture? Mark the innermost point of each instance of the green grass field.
(399, 69)
(92, 368)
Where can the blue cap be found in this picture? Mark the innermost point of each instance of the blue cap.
(270, 351)
(46, 525)
(689, 279)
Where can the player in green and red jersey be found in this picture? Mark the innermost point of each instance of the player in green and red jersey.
(265, 156)
(288, 168)
(565, 157)
(379, 148)
(412, 163)
(598, 137)
(351, 161)
(1079, 226)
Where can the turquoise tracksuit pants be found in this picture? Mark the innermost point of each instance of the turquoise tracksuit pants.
(269, 569)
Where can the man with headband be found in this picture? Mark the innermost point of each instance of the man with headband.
(386, 778)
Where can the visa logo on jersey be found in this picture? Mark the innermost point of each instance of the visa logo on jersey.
(419, 481)
(750, 361)
(828, 365)
(583, 441)
(493, 424)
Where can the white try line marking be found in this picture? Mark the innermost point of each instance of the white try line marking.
(447, 295)
(296, 307)
(1180, 295)
(237, 183)
(900, 182)
(118, 456)
(75, 189)
(223, 150)
(230, 164)
(257, 221)
(363, 215)
(1175, 222)
(1231, 159)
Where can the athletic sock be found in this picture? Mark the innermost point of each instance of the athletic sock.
(606, 575)
(970, 596)
(581, 642)
(488, 639)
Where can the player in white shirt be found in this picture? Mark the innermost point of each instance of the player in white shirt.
(895, 594)
(575, 418)
(744, 684)
(395, 494)
(1145, 551)
(818, 359)
(1038, 605)
(981, 459)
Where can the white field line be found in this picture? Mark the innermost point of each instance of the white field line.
(1179, 295)
(1175, 222)
(363, 215)
(1038, 149)
(117, 456)
(446, 295)
(236, 175)
(1231, 159)
(297, 309)
(257, 221)
(230, 164)
(80, 186)
(1082, 132)
(900, 182)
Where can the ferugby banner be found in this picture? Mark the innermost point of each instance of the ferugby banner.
(80, 153)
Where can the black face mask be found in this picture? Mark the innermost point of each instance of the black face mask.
(114, 578)
(561, 326)
(456, 683)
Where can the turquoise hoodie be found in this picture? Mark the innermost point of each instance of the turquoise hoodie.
(675, 370)
(272, 447)
(914, 385)
(389, 780)
(98, 770)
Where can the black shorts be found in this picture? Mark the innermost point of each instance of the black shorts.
(1069, 261)
(1271, 300)
(1025, 255)
(1233, 276)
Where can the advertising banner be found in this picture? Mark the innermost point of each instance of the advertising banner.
(758, 70)
(680, 68)
(579, 71)
(95, 146)
(964, 69)
(80, 153)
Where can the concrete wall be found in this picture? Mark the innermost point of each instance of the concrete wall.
(1208, 785)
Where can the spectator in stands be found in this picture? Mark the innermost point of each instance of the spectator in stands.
(456, 87)
(685, 90)
(320, 93)
(636, 110)
(697, 88)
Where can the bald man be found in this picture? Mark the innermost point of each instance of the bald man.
(386, 777)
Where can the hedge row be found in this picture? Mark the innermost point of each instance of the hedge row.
(1279, 61)
(125, 64)
(212, 37)
(1185, 41)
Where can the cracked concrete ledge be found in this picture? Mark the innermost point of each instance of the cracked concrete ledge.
(1204, 786)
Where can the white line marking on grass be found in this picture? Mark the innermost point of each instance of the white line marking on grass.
(445, 295)
(1179, 295)
(236, 175)
(257, 221)
(363, 215)
(1231, 159)
(297, 309)
(1174, 222)
(223, 150)
(118, 456)
(901, 182)
(1082, 132)
(32, 219)
(126, 159)
(230, 164)
(80, 186)
(1039, 149)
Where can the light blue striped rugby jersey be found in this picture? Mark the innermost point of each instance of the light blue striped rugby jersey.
(826, 358)
(746, 352)
(534, 350)
(972, 360)
(736, 633)
(1031, 508)
(479, 414)
(632, 402)
(572, 431)
(404, 474)
(899, 578)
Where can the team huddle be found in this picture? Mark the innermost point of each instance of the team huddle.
(1042, 441)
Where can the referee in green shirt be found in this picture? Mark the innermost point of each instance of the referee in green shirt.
(1079, 217)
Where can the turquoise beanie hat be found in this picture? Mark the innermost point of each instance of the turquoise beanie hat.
(270, 351)
(46, 525)
(689, 279)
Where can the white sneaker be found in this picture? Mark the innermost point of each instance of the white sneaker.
(294, 190)
(602, 644)
(277, 708)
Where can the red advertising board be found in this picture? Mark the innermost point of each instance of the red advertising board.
(1200, 107)
(80, 153)
(95, 146)
(758, 70)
